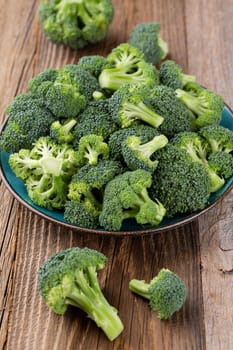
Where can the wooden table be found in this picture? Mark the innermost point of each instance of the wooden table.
(200, 36)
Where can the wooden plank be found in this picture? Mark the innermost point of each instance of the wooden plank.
(210, 59)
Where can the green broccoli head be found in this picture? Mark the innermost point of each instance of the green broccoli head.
(218, 138)
(94, 64)
(221, 163)
(129, 105)
(146, 38)
(91, 149)
(126, 196)
(171, 75)
(166, 292)
(183, 186)
(75, 23)
(62, 131)
(127, 65)
(69, 277)
(138, 155)
(46, 170)
(205, 104)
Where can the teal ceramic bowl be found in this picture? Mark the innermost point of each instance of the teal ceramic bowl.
(17, 188)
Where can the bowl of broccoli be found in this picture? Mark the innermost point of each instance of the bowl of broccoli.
(115, 145)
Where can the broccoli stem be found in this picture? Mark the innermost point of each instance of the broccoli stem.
(88, 296)
(140, 287)
(186, 78)
(216, 182)
(195, 104)
(163, 46)
(91, 155)
(147, 149)
(141, 112)
(67, 127)
(114, 78)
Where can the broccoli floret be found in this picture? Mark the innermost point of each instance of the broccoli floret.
(94, 64)
(146, 38)
(36, 85)
(129, 105)
(86, 189)
(127, 65)
(91, 149)
(171, 74)
(95, 119)
(137, 155)
(205, 104)
(75, 23)
(28, 120)
(176, 117)
(62, 132)
(46, 171)
(166, 292)
(197, 150)
(69, 277)
(221, 163)
(218, 138)
(126, 196)
(183, 186)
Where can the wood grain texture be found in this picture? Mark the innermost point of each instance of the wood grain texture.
(201, 253)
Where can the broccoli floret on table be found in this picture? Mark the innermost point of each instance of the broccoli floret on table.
(138, 155)
(205, 104)
(126, 64)
(62, 131)
(91, 149)
(166, 292)
(46, 170)
(69, 277)
(171, 75)
(126, 196)
(75, 23)
(146, 38)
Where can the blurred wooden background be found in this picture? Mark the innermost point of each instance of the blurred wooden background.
(200, 37)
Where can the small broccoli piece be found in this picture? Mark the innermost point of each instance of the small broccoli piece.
(176, 117)
(137, 155)
(166, 292)
(46, 171)
(91, 149)
(146, 38)
(36, 85)
(62, 132)
(218, 138)
(205, 104)
(69, 277)
(183, 186)
(94, 64)
(197, 150)
(75, 23)
(171, 75)
(127, 65)
(126, 196)
(28, 120)
(146, 133)
(129, 105)
(95, 119)
(221, 163)
(86, 191)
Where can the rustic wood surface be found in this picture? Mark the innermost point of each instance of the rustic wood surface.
(200, 36)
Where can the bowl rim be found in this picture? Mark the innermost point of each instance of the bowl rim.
(140, 232)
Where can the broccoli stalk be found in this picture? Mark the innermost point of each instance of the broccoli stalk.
(166, 292)
(91, 149)
(62, 132)
(69, 277)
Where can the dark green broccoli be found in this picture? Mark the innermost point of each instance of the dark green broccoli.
(126, 196)
(128, 105)
(166, 292)
(69, 277)
(28, 120)
(46, 170)
(176, 117)
(86, 192)
(183, 186)
(37, 85)
(197, 150)
(205, 104)
(75, 23)
(221, 163)
(138, 155)
(146, 38)
(95, 119)
(62, 132)
(94, 64)
(171, 74)
(218, 138)
(127, 65)
(91, 149)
